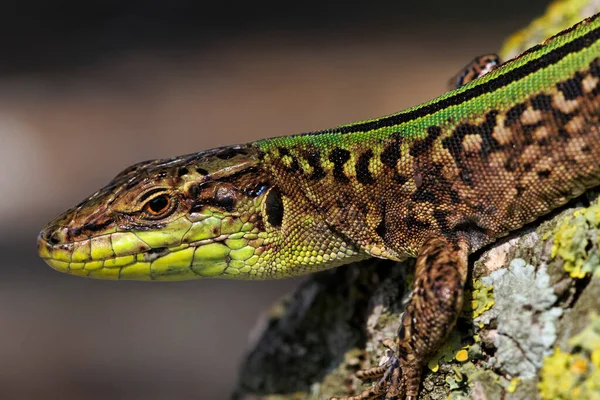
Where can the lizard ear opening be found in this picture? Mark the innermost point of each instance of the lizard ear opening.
(274, 208)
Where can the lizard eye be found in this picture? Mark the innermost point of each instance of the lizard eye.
(158, 206)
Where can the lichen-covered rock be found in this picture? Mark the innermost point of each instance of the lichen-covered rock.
(522, 339)
(575, 373)
(528, 319)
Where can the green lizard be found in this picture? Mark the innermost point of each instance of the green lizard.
(436, 182)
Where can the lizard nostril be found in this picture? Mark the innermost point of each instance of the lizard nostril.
(53, 236)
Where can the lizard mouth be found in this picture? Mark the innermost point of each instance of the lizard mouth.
(123, 255)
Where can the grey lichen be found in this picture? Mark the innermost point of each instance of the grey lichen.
(526, 318)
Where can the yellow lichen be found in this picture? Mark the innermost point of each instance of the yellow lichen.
(579, 366)
(462, 355)
(558, 16)
(433, 365)
(448, 352)
(576, 241)
(574, 374)
(482, 298)
(512, 385)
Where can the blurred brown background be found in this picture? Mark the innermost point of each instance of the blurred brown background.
(86, 90)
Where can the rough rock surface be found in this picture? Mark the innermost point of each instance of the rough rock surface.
(529, 319)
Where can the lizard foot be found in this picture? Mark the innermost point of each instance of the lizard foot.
(431, 313)
(392, 383)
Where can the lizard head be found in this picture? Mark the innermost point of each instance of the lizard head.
(217, 213)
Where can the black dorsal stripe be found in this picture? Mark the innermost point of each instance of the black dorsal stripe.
(492, 85)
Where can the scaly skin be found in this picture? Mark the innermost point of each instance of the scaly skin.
(436, 182)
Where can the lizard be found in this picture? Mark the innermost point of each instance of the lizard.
(436, 182)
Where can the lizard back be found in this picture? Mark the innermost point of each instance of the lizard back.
(484, 159)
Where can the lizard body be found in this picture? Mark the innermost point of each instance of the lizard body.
(436, 181)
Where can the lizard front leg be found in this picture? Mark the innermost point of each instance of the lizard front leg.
(430, 315)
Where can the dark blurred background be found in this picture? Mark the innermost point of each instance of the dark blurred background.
(87, 88)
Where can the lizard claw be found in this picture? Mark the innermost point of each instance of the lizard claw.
(390, 384)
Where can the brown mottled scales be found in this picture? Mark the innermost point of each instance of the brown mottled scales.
(478, 67)
(436, 182)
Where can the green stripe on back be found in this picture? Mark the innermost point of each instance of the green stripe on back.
(538, 68)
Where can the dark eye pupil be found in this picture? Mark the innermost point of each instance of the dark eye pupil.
(158, 204)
